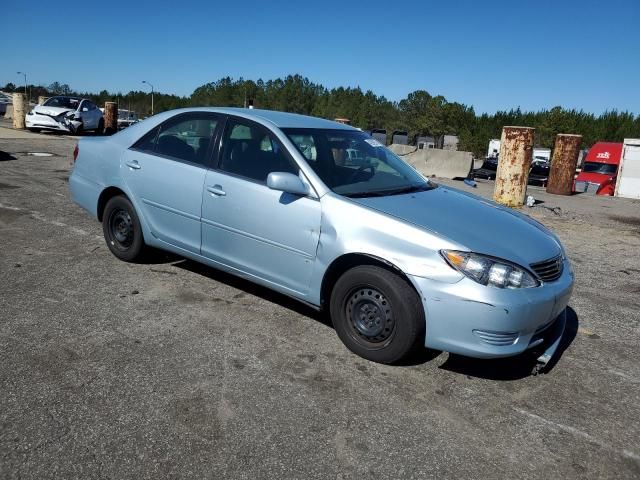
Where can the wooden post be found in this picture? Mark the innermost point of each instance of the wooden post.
(516, 149)
(110, 118)
(19, 110)
(42, 99)
(563, 164)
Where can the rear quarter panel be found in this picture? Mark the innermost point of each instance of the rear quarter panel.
(96, 168)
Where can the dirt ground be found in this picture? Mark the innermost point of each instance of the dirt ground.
(173, 370)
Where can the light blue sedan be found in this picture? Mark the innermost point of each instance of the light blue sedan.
(324, 213)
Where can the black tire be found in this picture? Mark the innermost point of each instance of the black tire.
(121, 228)
(377, 314)
(34, 130)
(100, 130)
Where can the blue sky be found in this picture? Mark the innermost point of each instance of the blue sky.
(490, 54)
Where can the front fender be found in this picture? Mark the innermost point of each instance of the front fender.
(348, 228)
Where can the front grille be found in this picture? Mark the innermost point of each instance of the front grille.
(498, 339)
(549, 270)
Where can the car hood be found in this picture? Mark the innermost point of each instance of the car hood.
(52, 111)
(479, 225)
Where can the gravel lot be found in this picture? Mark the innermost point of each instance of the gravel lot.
(174, 370)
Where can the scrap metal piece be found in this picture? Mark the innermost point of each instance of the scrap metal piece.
(558, 331)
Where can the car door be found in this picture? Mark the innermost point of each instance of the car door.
(85, 114)
(94, 115)
(250, 227)
(165, 172)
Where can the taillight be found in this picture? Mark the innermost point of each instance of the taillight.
(75, 153)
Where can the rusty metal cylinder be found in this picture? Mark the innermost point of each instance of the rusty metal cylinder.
(19, 110)
(563, 164)
(42, 99)
(516, 149)
(110, 118)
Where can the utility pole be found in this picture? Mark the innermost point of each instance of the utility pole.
(25, 84)
(144, 81)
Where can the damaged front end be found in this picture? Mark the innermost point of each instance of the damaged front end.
(68, 120)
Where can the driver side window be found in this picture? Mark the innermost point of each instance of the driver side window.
(251, 151)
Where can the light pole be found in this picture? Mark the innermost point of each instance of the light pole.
(144, 81)
(25, 83)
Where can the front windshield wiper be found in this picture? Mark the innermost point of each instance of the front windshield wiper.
(395, 191)
(409, 189)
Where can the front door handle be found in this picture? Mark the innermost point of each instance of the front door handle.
(216, 190)
(134, 165)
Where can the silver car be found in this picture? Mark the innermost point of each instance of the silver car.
(398, 261)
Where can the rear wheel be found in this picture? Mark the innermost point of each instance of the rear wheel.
(121, 228)
(377, 314)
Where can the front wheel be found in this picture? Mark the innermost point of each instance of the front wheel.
(121, 228)
(377, 314)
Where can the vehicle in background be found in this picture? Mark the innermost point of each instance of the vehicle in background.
(494, 148)
(380, 135)
(599, 169)
(400, 137)
(487, 170)
(538, 173)
(628, 184)
(67, 114)
(541, 155)
(425, 142)
(5, 100)
(126, 118)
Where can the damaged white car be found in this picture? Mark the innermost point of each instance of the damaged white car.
(67, 114)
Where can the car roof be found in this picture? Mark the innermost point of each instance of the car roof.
(278, 119)
(266, 117)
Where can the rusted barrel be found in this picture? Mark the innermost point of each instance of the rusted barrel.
(19, 110)
(563, 164)
(110, 118)
(42, 99)
(516, 148)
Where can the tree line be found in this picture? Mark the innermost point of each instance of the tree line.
(420, 113)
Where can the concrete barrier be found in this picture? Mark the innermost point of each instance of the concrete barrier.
(435, 162)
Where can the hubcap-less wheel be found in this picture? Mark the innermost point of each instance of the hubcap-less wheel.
(377, 313)
(370, 315)
(121, 228)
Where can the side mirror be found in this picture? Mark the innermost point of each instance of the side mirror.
(287, 182)
(85, 109)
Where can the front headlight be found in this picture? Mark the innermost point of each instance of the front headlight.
(489, 271)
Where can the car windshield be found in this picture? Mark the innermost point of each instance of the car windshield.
(63, 102)
(353, 164)
(596, 167)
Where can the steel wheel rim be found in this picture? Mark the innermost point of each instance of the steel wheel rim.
(121, 228)
(370, 316)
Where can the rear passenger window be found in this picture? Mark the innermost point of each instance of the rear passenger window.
(187, 138)
(251, 151)
(148, 142)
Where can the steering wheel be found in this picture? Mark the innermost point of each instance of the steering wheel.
(355, 174)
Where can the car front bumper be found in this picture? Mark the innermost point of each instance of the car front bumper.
(485, 322)
(36, 120)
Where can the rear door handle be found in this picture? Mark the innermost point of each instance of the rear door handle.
(134, 165)
(216, 190)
